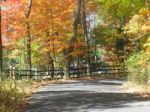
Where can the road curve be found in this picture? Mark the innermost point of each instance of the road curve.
(87, 96)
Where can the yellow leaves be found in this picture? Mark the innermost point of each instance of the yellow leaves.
(144, 12)
(145, 28)
(77, 52)
(139, 25)
(147, 44)
(135, 24)
(45, 50)
(138, 29)
(23, 1)
(146, 25)
(15, 53)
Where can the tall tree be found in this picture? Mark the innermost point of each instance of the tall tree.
(79, 17)
(28, 35)
(74, 36)
(50, 29)
(84, 25)
(1, 47)
(1, 44)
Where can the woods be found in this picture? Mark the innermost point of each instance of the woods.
(65, 34)
(72, 39)
(49, 35)
(71, 34)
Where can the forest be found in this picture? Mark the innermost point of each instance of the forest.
(65, 34)
(74, 38)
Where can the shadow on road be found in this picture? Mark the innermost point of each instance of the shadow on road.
(74, 101)
(95, 82)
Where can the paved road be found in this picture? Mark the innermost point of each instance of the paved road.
(87, 96)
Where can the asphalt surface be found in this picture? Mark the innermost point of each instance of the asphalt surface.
(87, 96)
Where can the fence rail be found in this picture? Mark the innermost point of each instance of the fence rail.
(59, 73)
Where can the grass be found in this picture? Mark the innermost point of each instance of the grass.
(12, 92)
(137, 88)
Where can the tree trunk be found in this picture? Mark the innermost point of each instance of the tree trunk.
(1, 46)
(51, 63)
(74, 36)
(28, 36)
(53, 34)
(84, 25)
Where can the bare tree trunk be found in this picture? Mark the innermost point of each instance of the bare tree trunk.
(84, 25)
(147, 3)
(50, 61)
(1, 46)
(51, 65)
(53, 33)
(28, 36)
(74, 36)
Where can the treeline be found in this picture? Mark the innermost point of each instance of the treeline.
(73, 33)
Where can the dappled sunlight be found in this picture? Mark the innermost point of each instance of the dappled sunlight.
(77, 98)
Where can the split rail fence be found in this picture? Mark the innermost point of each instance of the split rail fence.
(73, 73)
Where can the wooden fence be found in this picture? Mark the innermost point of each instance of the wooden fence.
(59, 73)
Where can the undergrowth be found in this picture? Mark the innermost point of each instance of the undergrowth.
(136, 88)
(11, 93)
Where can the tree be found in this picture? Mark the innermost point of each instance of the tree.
(113, 16)
(79, 17)
(51, 30)
(28, 35)
(1, 46)
(137, 30)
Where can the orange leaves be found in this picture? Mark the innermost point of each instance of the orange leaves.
(51, 22)
(11, 16)
(79, 48)
(92, 6)
(50, 26)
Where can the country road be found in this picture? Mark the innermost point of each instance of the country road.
(87, 96)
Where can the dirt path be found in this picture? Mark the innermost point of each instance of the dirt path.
(87, 96)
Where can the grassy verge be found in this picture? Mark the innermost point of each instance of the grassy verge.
(142, 89)
(12, 92)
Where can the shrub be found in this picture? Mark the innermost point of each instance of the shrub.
(138, 67)
(11, 92)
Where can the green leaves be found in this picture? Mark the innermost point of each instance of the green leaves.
(138, 66)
